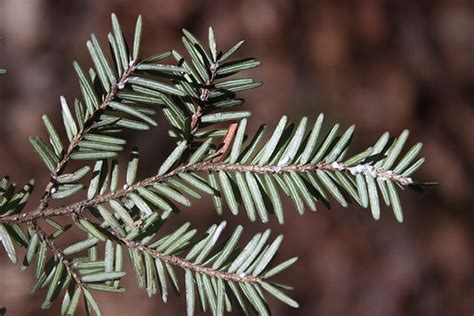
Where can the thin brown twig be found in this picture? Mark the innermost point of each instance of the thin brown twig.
(186, 264)
(60, 168)
(58, 254)
(79, 137)
(205, 91)
(206, 166)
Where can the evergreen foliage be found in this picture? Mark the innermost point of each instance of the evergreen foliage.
(214, 155)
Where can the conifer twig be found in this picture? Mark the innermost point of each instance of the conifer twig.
(58, 254)
(186, 264)
(80, 136)
(207, 166)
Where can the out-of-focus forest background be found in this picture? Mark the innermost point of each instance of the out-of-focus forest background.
(383, 65)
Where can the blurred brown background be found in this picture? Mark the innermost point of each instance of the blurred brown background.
(383, 65)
